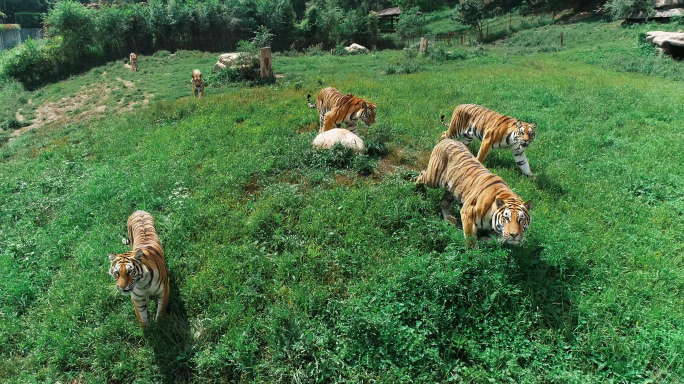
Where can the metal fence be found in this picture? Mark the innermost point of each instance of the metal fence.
(10, 39)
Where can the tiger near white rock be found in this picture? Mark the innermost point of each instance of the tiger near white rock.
(494, 129)
(488, 205)
(334, 108)
(141, 273)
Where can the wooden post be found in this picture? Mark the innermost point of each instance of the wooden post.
(266, 64)
(561, 39)
(423, 44)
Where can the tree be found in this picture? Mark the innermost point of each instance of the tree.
(475, 12)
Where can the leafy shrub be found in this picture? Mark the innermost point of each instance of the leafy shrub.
(441, 54)
(619, 9)
(403, 68)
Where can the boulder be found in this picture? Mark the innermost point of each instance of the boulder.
(667, 42)
(355, 48)
(219, 66)
(229, 58)
(327, 139)
(662, 9)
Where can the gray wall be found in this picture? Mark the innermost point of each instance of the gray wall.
(10, 39)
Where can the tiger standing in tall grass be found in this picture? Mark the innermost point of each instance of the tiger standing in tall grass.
(133, 61)
(197, 83)
(494, 129)
(334, 108)
(141, 273)
(488, 205)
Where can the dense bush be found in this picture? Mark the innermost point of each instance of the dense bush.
(29, 19)
(619, 9)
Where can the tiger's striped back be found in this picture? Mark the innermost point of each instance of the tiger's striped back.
(494, 129)
(141, 273)
(488, 204)
(335, 108)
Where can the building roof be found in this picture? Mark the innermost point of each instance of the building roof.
(395, 11)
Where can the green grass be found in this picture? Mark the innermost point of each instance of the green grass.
(289, 264)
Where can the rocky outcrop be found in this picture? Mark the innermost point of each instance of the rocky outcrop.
(227, 60)
(327, 139)
(667, 42)
(662, 9)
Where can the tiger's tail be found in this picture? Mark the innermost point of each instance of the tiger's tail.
(441, 118)
(308, 100)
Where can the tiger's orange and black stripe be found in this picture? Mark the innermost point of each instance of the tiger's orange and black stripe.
(141, 273)
(488, 205)
(334, 108)
(494, 129)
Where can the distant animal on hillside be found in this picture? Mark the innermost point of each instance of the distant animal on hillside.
(141, 273)
(133, 61)
(197, 83)
(334, 108)
(494, 129)
(488, 205)
(327, 139)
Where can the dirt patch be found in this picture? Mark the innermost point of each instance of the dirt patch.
(343, 179)
(85, 104)
(126, 83)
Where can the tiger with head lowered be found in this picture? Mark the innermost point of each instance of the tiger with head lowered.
(334, 108)
(197, 83)
(141, 273)
(488, 205)
(133, 61)
(494, 129)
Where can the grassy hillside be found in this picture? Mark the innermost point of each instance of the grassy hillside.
(289, 264)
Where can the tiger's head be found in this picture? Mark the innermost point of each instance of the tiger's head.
(197, 77)
(511, 219)
(126, 269)
(368, 113)
(525, 133)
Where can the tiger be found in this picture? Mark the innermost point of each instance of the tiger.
(197, 83)
(334, 108)
(494, 129)
(488, 205)
(133, 61)
(141, 273)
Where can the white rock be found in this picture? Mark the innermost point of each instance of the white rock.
(228, 58)
(327, 139)
(355, 47)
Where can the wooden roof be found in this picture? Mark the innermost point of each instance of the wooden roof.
(395, 11)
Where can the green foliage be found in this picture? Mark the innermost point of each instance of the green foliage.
(619, 9)
(13, 97)
(411, 22)
(29, 19)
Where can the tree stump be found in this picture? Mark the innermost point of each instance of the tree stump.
(266, 64)
(423, 44)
